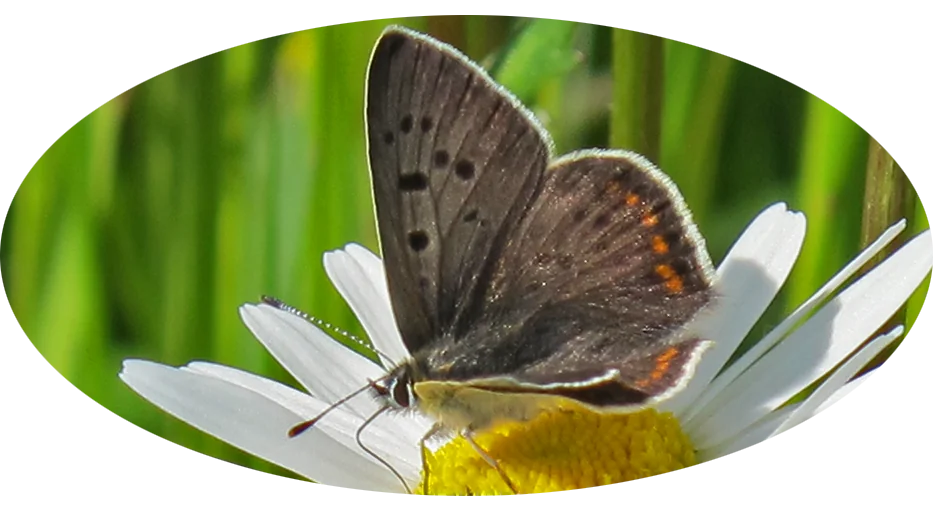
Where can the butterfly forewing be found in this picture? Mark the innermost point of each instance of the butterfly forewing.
(455, 161)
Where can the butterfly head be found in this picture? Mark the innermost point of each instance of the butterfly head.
(396, 388)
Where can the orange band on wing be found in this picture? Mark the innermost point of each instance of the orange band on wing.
(659, 245)
(662, 365)
(673, 282)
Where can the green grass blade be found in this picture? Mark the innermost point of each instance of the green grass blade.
(698, 84)
(540, 54)
(830, 193)
(637, 69)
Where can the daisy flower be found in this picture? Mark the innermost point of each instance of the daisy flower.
(721, 410)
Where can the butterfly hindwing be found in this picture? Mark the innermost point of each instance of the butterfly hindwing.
(636, 381)
(608, 233)
(454, 161)
(593, 286)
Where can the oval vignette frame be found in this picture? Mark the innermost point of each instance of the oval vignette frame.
(43, 149)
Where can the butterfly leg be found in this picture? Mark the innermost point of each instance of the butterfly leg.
(467, 434)
(424, 465)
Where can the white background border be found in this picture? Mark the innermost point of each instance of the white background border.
(879, 448)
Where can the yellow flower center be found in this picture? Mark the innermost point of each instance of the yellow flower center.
(561, 450)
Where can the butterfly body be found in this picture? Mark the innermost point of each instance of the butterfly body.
(520, 281)
(457, 406)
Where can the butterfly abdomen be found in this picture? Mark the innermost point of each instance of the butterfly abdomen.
(461, 406)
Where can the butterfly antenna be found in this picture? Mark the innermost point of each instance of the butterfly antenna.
(305, 425)
(325, 326)
(357, 437)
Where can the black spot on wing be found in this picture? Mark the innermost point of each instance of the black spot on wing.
(471, 215)
(406, 123)
(441, 158)
(413, 182)
(418, 240)
(465, 170)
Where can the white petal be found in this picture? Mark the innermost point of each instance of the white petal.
(817, 346)
(765, 344)
(753, 434)
(842, 392)
(290, 398)
(359, 277)
(839, 378)
(748, 279)
(326, 368)
(782, 419)
(257, 424)
(399, 433)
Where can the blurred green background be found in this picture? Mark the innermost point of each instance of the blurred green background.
(141, 230)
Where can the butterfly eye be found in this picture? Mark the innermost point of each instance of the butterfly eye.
(402, 393)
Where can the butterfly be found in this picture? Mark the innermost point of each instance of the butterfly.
(520, 282)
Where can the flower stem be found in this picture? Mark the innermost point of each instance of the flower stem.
(888, 197)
